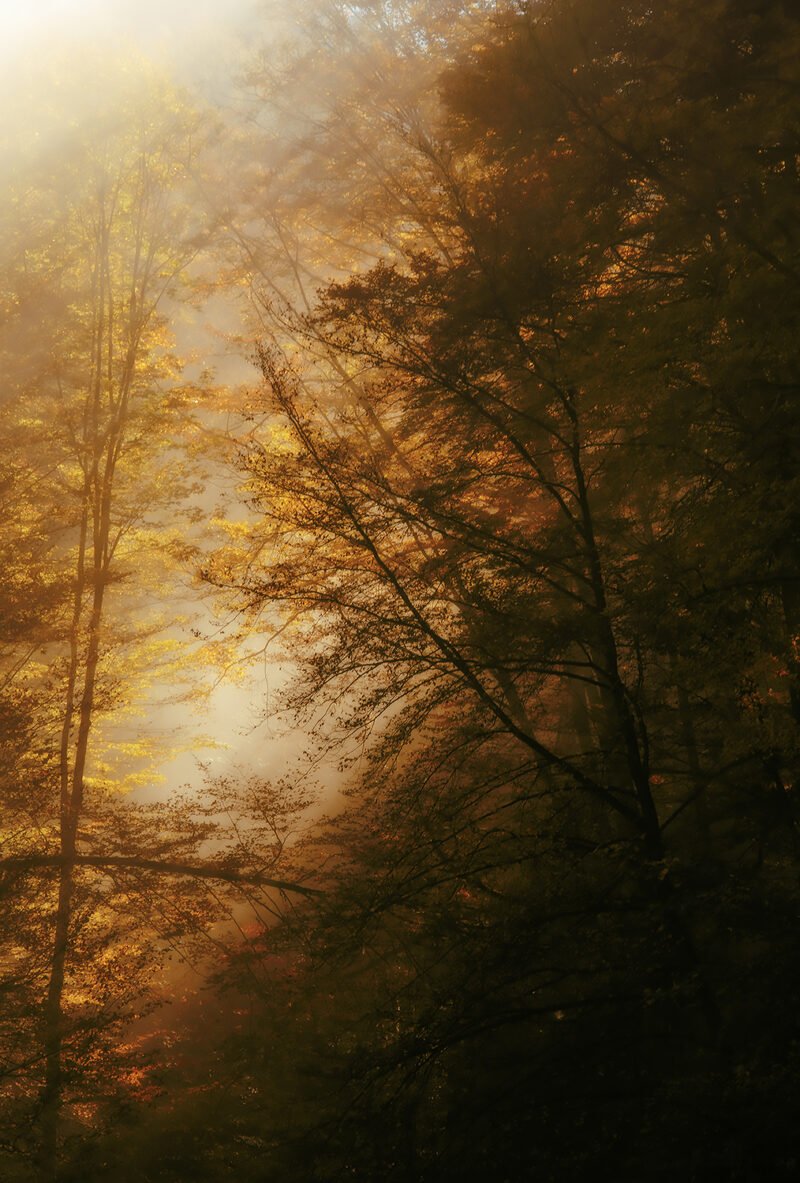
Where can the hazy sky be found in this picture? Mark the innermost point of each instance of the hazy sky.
(194, 36)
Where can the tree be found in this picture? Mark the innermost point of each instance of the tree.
(536, 570)
(102, 241)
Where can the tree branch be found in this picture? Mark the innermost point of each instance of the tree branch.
(135, 863)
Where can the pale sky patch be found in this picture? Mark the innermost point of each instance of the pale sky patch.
(194, 37)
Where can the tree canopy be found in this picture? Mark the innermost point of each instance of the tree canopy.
(519, 491)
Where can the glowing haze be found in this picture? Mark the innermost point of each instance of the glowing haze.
(189, 34)
(202, 43)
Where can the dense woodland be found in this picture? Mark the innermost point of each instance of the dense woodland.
(517, 505)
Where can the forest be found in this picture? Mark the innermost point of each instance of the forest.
(400, 613)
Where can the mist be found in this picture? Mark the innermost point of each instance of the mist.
(195, 40)
(399, 624)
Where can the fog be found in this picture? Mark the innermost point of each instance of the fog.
(400, 598)
(203, 45)
(197, 39)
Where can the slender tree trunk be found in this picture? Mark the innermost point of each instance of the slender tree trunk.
(92, 550)
(51, 1097)
(634, 743)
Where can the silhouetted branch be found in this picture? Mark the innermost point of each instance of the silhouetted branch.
(135, 863)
